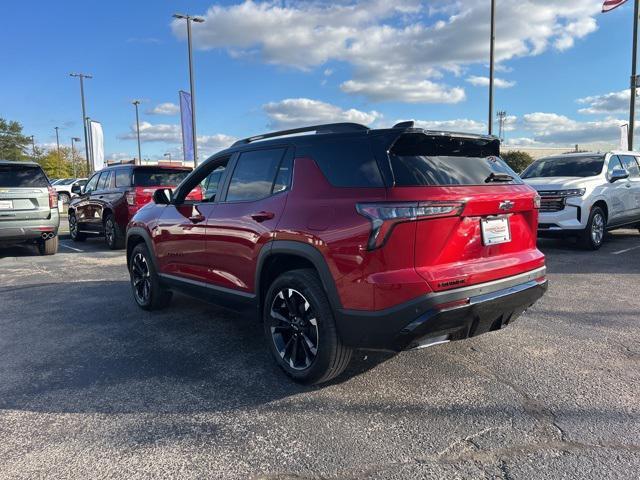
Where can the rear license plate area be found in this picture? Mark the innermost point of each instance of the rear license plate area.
(495, 230)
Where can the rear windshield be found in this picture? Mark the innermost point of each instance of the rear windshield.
(26, 176)
(587, 166)
(421, 160)
(158, 177)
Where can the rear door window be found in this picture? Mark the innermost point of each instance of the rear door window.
(22, 176)
(123, 177)
(423, 160)
(348, 163)
(254, 174)
(631, 165)
(158, 177)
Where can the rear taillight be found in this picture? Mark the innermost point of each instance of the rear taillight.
(53, 198)
(131, 198)
(385, 216)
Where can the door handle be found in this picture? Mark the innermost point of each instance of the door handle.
(627, 185)
(262, 216)
(197, 218)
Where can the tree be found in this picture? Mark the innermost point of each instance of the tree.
(62, 167)
(517, 160)
(13, 144)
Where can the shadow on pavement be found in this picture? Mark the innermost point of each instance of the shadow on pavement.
(88, 348)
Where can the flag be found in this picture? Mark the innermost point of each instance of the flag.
(187, 125)
(609, 5)
(97, 145)
(624, 137)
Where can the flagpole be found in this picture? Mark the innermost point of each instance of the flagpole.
(632, 100)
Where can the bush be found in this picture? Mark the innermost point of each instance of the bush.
(517, 160)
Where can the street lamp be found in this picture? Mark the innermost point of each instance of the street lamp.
(33, 146)
(492, 45)
(168, 154)
(190, 19)
(135, 104)
(73, 155)
(82, 76)
(58, 145)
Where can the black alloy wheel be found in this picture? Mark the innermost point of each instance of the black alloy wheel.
(141, 279)
(294, 329)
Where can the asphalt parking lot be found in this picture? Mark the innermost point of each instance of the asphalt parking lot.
(92, 387)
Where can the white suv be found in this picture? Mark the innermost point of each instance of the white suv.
(586, 194)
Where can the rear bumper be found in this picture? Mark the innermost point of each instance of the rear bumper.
(443, 316)
(28, 230)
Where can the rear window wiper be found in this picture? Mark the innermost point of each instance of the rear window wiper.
(498, 177)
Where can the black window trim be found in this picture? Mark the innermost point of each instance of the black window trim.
(198, 174)
(288, 151)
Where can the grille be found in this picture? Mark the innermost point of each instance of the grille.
(551, 202)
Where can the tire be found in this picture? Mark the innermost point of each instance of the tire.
(113, 235)
(49, 246)
(65, 198)
(593, 236)
(147, 291)
(74, 233)
(308, 353)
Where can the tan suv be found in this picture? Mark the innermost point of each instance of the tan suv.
(28, 207)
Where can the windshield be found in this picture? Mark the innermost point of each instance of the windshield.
(24, 176)
(421, 160)
(158, 177)
(66, 181)
(586, 166)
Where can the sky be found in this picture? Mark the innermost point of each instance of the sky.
(561, 71)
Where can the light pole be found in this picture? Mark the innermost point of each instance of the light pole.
(634, 77)
(73, 155)
(135, 104)
(33, 146)
(58, 146)
(190, 19)
(502, 116)
(491, 57)
(168, 154)
(82, 76)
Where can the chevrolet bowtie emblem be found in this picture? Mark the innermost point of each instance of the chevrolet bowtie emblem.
(506, 205)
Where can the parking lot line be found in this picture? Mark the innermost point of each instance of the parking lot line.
(71, 248)
(625, 250)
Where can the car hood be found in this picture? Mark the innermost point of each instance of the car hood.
(557, 183)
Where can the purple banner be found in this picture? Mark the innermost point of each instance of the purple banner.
(187, 125)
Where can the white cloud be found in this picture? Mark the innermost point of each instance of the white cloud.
(398, 50)
(119, 156)
(406, 90)
(484, 82)
(554, 128)
(159, 132)
(299, 112)
(614, 102)
(210, 144)
(166, 108)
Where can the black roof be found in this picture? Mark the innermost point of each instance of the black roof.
(331, 131)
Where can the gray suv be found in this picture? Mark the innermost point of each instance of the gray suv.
(28, 207)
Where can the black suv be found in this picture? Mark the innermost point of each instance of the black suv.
(113, 195)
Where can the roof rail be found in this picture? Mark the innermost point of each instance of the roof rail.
(326, 128)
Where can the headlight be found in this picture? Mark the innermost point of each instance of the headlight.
(575, 192)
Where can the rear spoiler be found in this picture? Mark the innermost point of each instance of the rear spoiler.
(428, 142)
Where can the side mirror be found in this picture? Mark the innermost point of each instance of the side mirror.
(618, 174)
(162, 196)
(77, 189)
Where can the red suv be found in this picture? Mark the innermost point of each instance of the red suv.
(347, 238)
(112, 196)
